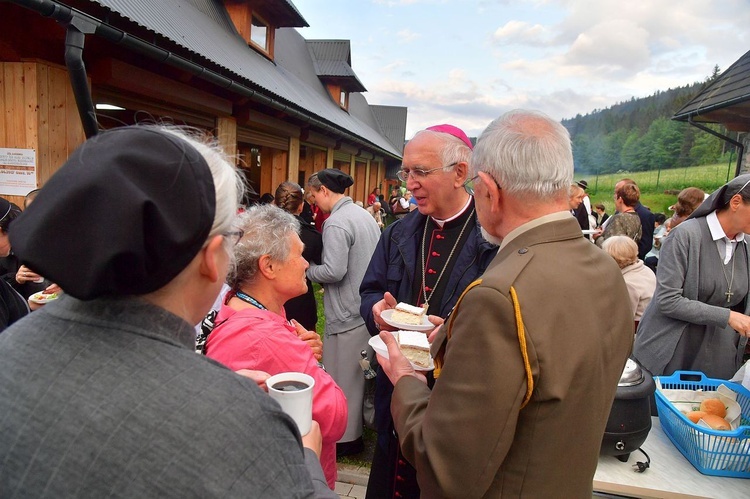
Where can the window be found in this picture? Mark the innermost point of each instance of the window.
(343, 98)
(259, 33)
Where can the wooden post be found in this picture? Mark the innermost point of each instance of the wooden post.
(293, 169)
(226, 134)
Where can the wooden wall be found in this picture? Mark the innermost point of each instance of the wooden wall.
(38, 111)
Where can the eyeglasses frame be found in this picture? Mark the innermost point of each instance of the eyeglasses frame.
(419, 173)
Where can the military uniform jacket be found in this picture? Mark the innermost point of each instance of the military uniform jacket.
(474, 438)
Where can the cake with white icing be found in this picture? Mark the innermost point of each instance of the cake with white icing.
(408, 314)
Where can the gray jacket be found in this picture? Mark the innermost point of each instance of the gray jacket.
(350, 236)
(107, 398)
(675, 304)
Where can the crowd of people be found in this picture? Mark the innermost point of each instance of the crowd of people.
(103, 392)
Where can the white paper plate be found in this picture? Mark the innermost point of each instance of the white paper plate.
(408, 338)
(425, 326)
(42, 298)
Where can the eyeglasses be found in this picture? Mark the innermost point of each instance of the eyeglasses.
(234, 236)
(469, 185)
(419, 173)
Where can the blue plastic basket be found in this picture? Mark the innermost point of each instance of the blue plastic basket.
(712, 452)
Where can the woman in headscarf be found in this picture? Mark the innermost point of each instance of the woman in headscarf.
(252, 331)
(698, 318)
(304, 309)
(102, 393)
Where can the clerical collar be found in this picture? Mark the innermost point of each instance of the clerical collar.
(440, 223)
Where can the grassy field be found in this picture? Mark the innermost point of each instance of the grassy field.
(659, 188)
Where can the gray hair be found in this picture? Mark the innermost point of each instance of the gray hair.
(623, 249)
(228, 184)
(526, 152)
(267, 230)
(454, 150)
(314, 182)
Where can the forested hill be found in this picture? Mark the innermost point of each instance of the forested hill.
(638, 135)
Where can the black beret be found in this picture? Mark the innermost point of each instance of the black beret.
(335, 180)
(124, 215)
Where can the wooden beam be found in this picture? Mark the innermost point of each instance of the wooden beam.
(254, 119)
(134, 80)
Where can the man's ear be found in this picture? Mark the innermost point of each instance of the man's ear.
(462, 173)
(209, 265)
(491, 191)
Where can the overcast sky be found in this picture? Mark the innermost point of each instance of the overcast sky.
(466, 62)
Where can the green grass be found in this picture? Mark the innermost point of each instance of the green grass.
(659, 189)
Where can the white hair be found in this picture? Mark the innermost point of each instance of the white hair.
(228, 184)
(623, 249)
(527, 153)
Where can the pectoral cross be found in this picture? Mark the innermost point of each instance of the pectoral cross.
(729, 295)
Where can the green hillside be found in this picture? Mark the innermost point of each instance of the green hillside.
(659, 188)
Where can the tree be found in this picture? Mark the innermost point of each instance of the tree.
(706, 148)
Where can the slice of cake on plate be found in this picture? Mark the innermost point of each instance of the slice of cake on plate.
(408, 314)
(420, 356)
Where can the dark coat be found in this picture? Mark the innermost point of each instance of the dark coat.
(647, 236)
(393, 268)
(303, 308)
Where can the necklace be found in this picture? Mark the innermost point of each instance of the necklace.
(249, 299)
(427, 297)
(729, 282)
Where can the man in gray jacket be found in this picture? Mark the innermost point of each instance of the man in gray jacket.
(350, 235)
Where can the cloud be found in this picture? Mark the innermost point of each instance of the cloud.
(620, 44)
(407, 35)
(519, 32)
(629, 42)
(563, 57)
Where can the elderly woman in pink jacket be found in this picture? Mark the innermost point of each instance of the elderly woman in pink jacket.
(251, 330)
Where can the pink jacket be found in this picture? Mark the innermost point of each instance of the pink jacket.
(262, 340)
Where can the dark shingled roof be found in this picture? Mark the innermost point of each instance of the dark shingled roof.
(203, 27)
(725, 100)
(392, 121)
(333, 61)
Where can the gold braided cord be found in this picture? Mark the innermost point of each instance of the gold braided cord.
(520, 332)
(441, 353)
(522, 342)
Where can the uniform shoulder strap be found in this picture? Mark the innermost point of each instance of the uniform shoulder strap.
(520, 331)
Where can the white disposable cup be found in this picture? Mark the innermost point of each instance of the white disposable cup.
(298, 403)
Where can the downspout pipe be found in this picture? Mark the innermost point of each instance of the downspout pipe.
(740, 147)
(77, 26)
(64, 15)
(74, 40)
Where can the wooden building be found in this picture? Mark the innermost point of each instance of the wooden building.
(287, 106)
